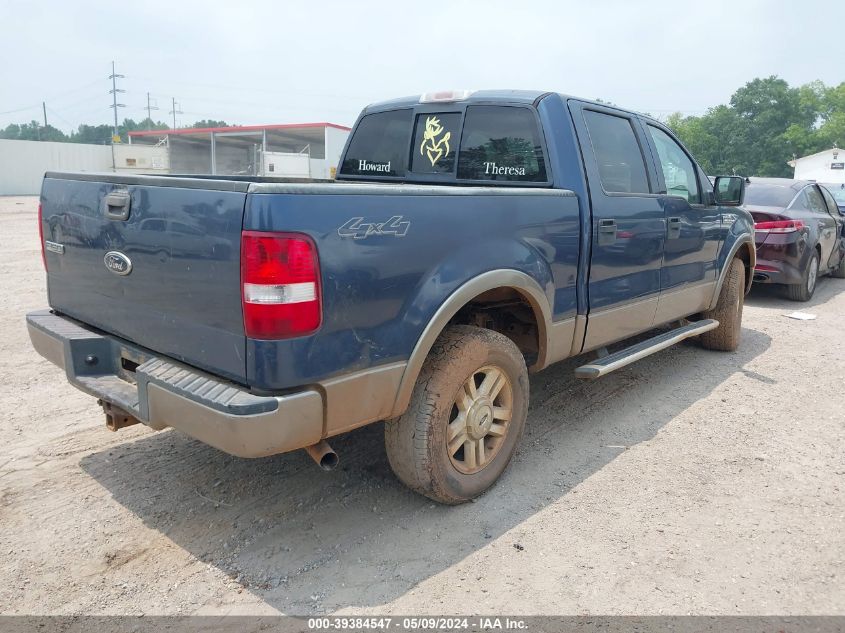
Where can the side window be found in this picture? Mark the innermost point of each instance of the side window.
(815, 202)
(831, 201)
(379, 146)
(620, 160)
(501, 143)
(679, 172)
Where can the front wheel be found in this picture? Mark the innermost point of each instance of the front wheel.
(465, 419)
(728, 311)
(804, 291)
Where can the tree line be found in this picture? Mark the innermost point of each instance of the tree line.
(96, 134)
(766, 124)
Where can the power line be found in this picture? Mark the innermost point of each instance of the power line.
(114, 90)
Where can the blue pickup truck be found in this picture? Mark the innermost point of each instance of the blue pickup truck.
(470, 239)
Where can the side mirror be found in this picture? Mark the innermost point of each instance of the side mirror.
(730, 190)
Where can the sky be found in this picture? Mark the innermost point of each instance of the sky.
(286, 62)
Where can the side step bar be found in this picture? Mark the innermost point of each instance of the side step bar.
(617, 360)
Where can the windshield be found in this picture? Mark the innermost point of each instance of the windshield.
(769, 195)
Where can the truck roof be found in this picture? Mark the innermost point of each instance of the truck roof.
(519, 96)
(486, 96)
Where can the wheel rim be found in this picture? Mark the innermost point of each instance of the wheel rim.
(811, 276)
(480, 419)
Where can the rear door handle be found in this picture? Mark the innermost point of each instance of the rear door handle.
(607, 232)
(674, 228)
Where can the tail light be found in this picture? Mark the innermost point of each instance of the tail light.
(280, 277)
(41, 237)
(779, 226)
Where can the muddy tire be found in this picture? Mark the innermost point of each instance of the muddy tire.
(728, 311)
(804, 291)
(465, 419)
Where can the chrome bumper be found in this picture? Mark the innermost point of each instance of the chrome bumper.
(162, 392)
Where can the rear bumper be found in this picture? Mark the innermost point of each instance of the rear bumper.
(781, 259)
(161, 392)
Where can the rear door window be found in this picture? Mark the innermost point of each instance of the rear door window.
(832, 206)
(618, 154)
(815, 202)
(501, 143)
(379, 146)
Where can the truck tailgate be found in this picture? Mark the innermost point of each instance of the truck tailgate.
(171, 279)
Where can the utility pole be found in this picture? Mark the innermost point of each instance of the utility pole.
(114, 90)
(150, 109)
(174, 112)
(44, 108)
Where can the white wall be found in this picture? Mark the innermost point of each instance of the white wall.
(335, 141)
(817, 167)
(287, 164)
(142, 159)
(23, 163)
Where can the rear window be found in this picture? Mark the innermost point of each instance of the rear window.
(484, 143)
(435, 140)
(760, 195)
(379, 146)
(501, 143)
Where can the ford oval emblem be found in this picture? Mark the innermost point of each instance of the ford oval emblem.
(117, 262)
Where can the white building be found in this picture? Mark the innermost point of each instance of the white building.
(827, 166)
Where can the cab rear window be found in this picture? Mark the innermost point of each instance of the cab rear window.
(379, 146)
(484, 143)
(435, 140)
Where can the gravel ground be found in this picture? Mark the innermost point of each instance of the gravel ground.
(690, 482)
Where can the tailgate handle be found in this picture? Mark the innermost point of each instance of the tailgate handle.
(117, 205)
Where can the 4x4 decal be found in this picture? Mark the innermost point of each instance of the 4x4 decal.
(357, 229)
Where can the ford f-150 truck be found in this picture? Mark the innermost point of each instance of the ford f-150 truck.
(472, 238)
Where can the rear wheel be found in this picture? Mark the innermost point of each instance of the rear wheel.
(839, 271)
(465, 419)
(728, 311)
(804, 291)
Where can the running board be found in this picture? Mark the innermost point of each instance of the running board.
(617, 360)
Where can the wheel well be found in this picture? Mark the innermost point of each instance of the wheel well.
(747, 255)
(507, 311)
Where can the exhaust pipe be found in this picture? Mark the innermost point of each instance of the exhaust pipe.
(117, 418)
(323, 454)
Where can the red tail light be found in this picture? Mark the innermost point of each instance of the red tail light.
(280, 279)
(41, 237)
(779, 226)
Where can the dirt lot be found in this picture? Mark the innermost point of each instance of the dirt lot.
(690, 482)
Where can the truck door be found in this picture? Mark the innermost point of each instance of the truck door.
(693, 229)
(628, 225)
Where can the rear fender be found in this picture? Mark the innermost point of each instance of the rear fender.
(440, 296)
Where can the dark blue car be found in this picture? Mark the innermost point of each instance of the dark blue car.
(470, 239)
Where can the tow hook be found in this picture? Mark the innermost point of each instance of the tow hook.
(117, 418)
(323, 454)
